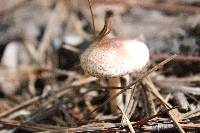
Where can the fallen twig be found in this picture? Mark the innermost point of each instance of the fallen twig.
(55, 21)
(19, 107)
(173, 87)
(170, 7)
(127, 121)
(160, 57)
(9, 5)
(166, 105)
(181, 101)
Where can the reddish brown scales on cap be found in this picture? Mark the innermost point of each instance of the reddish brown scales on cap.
(110, 43)
(113, 57)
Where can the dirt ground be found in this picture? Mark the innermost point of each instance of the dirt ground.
(43, 87)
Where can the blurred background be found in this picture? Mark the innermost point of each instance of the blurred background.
(41, 41)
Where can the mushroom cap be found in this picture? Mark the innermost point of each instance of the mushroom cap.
(112, 57)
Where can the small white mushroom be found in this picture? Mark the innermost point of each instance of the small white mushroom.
(111, 58)
(11, 55)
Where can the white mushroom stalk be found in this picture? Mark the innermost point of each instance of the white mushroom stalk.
(115, 82)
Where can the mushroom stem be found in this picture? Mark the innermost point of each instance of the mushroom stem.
(115, 82)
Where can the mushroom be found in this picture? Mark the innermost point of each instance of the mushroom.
(111, 58)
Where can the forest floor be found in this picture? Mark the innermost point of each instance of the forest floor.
(44, 89)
